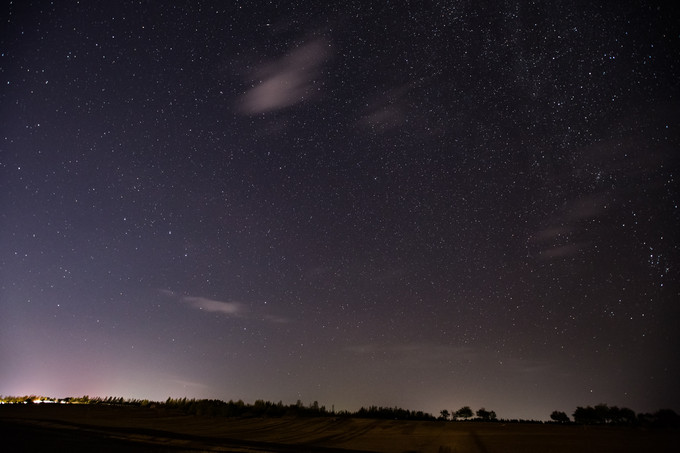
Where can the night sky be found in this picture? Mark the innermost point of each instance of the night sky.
(416, 204)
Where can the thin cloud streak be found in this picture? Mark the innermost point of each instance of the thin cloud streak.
(227, 308)
(216, 306)
(287, 81)
(416, 352)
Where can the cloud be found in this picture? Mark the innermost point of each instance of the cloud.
(286, 81)
(276, 319)
(564, 251)
(565, 236)
(416, 353)
(386, 110)
(230, 308)
(586, 207)
(192, 384)
(552, 232)
(203, 303)
(384, 117)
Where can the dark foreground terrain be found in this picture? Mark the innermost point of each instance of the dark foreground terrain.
(79, 428)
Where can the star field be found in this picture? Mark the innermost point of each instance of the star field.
(418, 205)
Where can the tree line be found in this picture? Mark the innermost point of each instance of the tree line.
(602, 414)
(263, 408)
(215, 407)
(465, 413)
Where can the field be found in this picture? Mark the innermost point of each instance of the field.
(53, 427)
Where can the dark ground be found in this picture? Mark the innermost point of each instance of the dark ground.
(80, 428)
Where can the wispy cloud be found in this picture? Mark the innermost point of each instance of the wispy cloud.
(190, 384)
(551, 233)
(443, 358)
(286, 81)
(276, 319)
(386, 111)
(564, 237)
(416, 352)
(217, 306)
(227, 308)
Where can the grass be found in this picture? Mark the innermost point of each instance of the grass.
(53, 427)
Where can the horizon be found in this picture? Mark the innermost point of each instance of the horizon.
(98, 399)
(330, 408)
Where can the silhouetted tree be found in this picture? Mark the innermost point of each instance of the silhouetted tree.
(666, 418)
(585, 415)
(602, 413)
(559, 417)
(621, 416)
(626, 416)
(464, 412)
(486, 415)
(444, 415)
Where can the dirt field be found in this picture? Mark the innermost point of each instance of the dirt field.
(80, 428)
